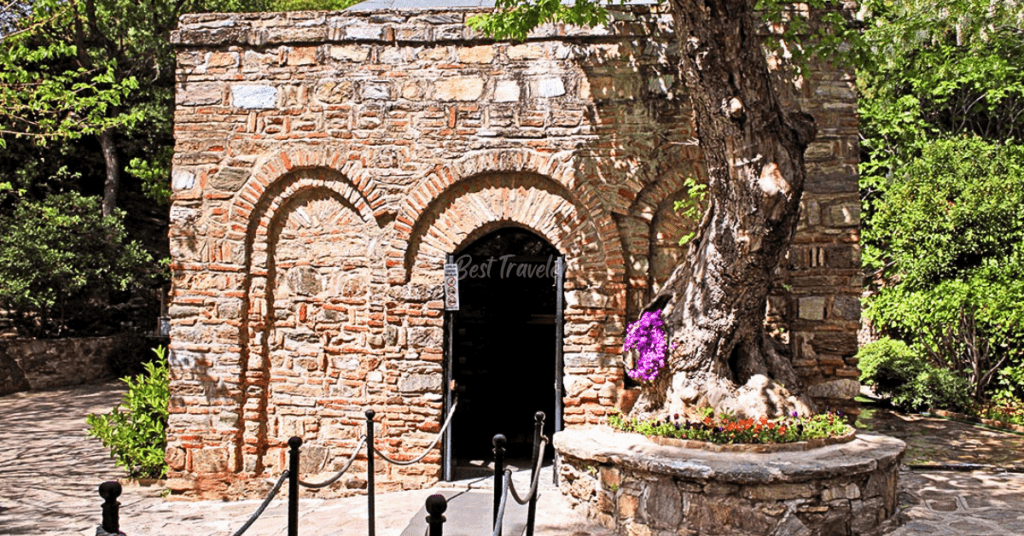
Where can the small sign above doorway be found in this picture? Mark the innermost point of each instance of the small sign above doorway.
(451, 287)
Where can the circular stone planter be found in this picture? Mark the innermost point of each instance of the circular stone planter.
(643, 488)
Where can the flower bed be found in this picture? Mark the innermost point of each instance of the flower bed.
(1001, 424)
(817, 430)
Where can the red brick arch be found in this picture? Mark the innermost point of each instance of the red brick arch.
(339, 171)
(541, 192)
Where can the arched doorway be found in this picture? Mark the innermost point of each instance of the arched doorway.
(504, 349)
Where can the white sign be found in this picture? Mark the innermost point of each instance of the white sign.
(451, 287)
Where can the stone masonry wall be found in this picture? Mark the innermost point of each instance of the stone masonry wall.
(37, 364)
(326, 163)
(626, 483)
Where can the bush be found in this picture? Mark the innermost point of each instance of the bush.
(888, 366)
(60, 261)
(135, 431)
(947, 239)
(904, 377)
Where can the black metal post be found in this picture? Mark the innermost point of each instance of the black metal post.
(559, 357)
(538, 431)
(499, 474)
(293, 486)
(110, 491)
(436, 505)
(369, 473)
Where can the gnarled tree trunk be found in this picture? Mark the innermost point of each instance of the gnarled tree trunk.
(714, 303)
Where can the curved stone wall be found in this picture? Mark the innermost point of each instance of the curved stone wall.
(641, 488)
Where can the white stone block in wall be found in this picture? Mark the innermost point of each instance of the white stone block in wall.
(549, 87)
(506, 91)
(254, 97)
(182, 180)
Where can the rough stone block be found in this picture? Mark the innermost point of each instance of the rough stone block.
(230, 179)
(661, 504)
(462, 88)
(200, 94)
(843, 388)
(812, 308)
(420, 383)
(254, 97)
(376, 91)
(353, 53)
(548, 87)
(210, 460)
(477, 54)
(333, 91)
(780, 492)
(524, 52)
(506, 91)
(846, 307)
(182, 180)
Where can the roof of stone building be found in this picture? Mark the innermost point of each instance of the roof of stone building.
(379, 5)
(376, 5)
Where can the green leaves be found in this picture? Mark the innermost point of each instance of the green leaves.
(135, 430)
(942, 176)
(59, 256)
(514, 19)
(691, 207)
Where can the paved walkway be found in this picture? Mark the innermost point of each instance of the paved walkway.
(986, 502)
(49, 471)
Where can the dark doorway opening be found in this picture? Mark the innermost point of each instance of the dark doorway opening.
(503, 346)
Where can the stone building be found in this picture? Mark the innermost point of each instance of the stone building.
(328, 164)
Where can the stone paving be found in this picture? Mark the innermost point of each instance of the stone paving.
(49, 471)
(961, 502)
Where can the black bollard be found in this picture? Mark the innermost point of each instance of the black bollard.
(436, 505)
(110, 491)
(538, 431)
(293, 486)
(369, 474)
(499, 474)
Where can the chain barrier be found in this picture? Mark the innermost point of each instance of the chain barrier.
(333, 479)
(535, 478)
(436, 504)
(503, 478)
(266, 502)
(433, 443)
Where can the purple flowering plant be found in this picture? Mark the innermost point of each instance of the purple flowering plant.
(647, 337)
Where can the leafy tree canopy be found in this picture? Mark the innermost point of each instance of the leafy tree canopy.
(942, 179)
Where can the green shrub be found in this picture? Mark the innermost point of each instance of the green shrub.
(135, 431)
(947, 238)
(941, 388)
(888, 366)
(900, 374)
(60, 261)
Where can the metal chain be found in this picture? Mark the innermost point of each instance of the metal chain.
(273, 492)
(333, 479)
(535, 476)
(429, 448)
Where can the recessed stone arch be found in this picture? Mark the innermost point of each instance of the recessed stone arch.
(295, 306)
